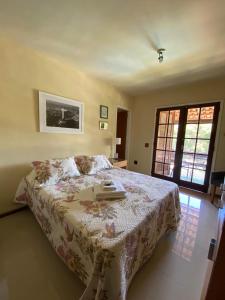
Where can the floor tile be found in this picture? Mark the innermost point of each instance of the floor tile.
(30, 269)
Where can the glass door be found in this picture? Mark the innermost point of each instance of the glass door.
(198, 145)
(184, 144)
(166, 142)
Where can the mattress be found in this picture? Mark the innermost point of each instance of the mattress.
(104, 242)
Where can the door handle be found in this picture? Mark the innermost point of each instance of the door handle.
(212, 246)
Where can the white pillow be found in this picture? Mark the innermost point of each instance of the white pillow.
(100, 162)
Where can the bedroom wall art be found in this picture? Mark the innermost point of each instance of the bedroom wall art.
(103, 125)
(104, 112)
(59, 114)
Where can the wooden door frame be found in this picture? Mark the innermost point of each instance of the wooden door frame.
(215, 288)
(128, 137)
(213, 145)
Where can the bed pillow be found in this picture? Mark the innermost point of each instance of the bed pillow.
(90, 165)
(84, 163)
(49, 172)
(100, 163)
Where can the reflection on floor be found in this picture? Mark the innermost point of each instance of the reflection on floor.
(188, 228)
(30, 269)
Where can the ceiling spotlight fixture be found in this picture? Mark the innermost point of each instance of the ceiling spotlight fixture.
(160, 52)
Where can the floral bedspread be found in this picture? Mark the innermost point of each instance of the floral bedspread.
(104, 242)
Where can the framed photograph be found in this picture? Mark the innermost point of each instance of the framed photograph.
(104, 112)
(60, 115)
(103, 125)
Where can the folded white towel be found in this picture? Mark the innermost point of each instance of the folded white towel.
(104, 192)
(109, 188)
(115, 196)
(110, 194)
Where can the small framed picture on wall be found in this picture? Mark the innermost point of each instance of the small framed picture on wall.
(104, 112)
(103, 125)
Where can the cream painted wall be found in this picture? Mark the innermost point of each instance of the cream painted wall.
(22, 73)
(143, 118)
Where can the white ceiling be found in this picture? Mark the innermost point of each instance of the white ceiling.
(116, 40)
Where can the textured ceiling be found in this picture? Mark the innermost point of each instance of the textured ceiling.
(116, 40)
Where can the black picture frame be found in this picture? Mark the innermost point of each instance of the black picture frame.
(104, 110)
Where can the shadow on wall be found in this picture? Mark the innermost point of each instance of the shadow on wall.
(36, 108)
(12, 175)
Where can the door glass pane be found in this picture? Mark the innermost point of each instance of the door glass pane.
(187, 160)
(186, 174)
(202, 146)
(172, 130)
(163, 117)
(168, 124)
(200, 161)
(159, 168)
(162, 130)
(171, 144)
(197, 140)
(207, 114)
(174, 116)
(168, 170)
(204, 131)
(161, 143)
(160, 156)
(189, 145)
(191, 131)
(198, 176)
(193, 115)
(170, 156)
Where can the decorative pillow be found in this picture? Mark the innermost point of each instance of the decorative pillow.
(84, 163)
(50, 172)
(100, 163)
(31, 178)
(90, 165)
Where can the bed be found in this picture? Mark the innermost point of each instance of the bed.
(104, 242)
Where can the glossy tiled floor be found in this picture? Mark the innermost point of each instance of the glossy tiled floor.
(30, 269)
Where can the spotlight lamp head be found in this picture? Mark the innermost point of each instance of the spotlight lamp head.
(160, 52)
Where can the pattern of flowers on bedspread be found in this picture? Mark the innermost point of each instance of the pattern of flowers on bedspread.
(44, 222)
(99, 209)
(110, 231)
(55, 209)
(102, 294)
(67, 188)
(104, 242)
(134, 189)
(25, 197)
(72, 260)
(131, 247)
(69, 233)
